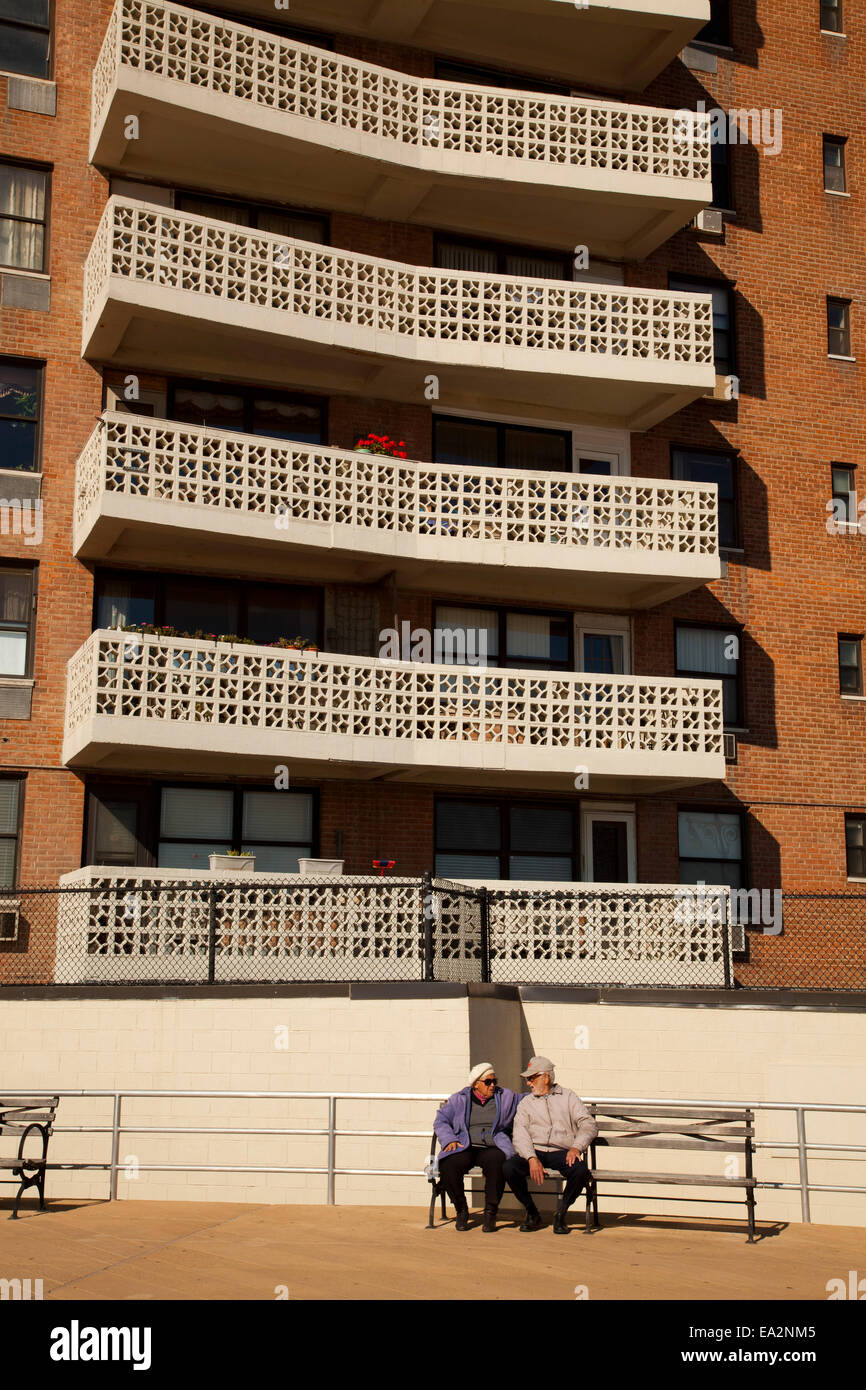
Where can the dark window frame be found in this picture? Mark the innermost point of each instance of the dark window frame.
(38, 365)
(731, 630)
(249, 393)
(849, 849)
(827, 9)
(474, 74)
(502, 613)
(845, 329)
(32, 570)
(717, 31)
(226, 582)
(298, 32)
(722, 161)
(849, 497)
(501, 427)
(838, 142)
(254, 208)
(857, 639)
(702, 284)
(733, 456)
(21, 779)
(502, 250)
(47, 29)
(45, 222)
(505, 805)
(708, 808)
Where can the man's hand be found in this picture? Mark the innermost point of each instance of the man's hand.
(571, 1156)
(536, 1170)
(449, 1147)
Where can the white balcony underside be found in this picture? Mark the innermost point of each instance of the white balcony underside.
(622, 44)
(275, 155)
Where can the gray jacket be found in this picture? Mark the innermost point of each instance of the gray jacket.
(559, 1120)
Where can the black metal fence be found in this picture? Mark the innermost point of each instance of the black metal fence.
(116, 930)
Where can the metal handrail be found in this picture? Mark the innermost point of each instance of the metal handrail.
(800, 1108)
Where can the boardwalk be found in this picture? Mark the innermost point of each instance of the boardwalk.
(179, 1250)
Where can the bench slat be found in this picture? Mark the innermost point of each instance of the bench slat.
(665, 1112)
(679, 1179)
(640, 1141)
(643, 1127)
(28, 1102)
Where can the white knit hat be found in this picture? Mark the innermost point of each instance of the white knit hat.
(480, 1070)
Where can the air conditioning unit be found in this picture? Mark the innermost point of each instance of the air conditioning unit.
(730, 747)
(9, 920)
(710, 220)
(738, 937)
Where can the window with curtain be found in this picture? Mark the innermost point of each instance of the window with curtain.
(483, 840)
(723, 336)
(711, 848)
(496, 258)
(244, 608)
(288, 222)
(831, 16)
(834, 164)
(844, 492)
(838, 327)
(492, 77)
(535, 641)
(25, 37)
(20, 411)
(850, 664)
(16, 621)
(23, 211)
(703, 466)
(466, 636)
(488, 443)
(704, 652)
(10, 806)
(195, 822)
(223, 406)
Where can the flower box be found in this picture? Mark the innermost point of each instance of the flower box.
(232, 863)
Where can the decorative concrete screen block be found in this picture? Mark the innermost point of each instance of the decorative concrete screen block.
(32, 94)
(262, 70)
(15, 698)
(26, 292)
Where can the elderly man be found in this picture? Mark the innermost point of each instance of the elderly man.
(473, 1127)
(552, 1129)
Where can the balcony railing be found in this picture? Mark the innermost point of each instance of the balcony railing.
(638, 530)
(152, 264)
(343, 110)
(134, 692)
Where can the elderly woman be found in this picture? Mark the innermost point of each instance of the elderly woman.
(474, 1127)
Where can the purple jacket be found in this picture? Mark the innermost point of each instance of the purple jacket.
(452, 1119)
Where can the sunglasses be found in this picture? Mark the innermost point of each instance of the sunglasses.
(529, 1079)
(488, 1081)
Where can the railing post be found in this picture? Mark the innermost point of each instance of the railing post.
(332, 1149)
(115, 1147)
(427, 923)
(211, 934)
(804, 1165)
(484, 925)
(726, 941)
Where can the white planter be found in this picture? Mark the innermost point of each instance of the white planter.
(321, 868)
(232, 863)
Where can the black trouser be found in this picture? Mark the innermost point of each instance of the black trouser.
(517, 1174)
(453, 1168)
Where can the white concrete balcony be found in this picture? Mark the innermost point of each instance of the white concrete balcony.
(137, 702)
(149, 489)
(555, 170)
(603, 43)
(175, 292)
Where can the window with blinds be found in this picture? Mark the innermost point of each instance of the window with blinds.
(195, 822)
(491, 444)
(709, 653)
(501, 840)
(711, 848)
(516, 638)
(10, 803)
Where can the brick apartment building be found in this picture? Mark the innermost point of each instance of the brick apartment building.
(622, 363)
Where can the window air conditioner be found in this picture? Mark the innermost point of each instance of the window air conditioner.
(730, 747)
(710, 220)
(9, 920)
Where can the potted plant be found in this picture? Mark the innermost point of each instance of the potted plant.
(233, 861)
(381, 444)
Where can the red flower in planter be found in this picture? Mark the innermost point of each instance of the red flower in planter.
(382, 444)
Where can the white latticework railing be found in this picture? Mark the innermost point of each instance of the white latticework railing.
(298, 483)
(128, 676)
(150, 246)
(265, 70)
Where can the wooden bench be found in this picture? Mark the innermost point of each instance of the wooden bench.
(722, 1132)
(19, 1119)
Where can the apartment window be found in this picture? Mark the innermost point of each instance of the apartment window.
(23, 213)
(838, 327)
(844, 492)
(603, 644)
(718, 30)
(492, 77)
(488, 444)
(704, 466)
(483, 840)
(261, 612)
(855, 846)
(224, 406)
(510, 638)
(25, 37)
(285, 31)
(10, 815)
(495, 258)
(850, 664)
(20, 414)
(834, 164)
(287, 222)
(831, 16)
(712, 654)
(720, 173)
(711, 848)
(195, 822)
(16, 620)
(723, 336)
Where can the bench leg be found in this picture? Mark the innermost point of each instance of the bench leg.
(432, 1213)
(750, 1207)
(591, 1218)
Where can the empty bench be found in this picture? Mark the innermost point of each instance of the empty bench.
(723, 1132)
(21, 1121)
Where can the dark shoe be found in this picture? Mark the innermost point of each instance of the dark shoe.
(532, 1221)
(559, 1226)
(462, 1222)
(489, 1220)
